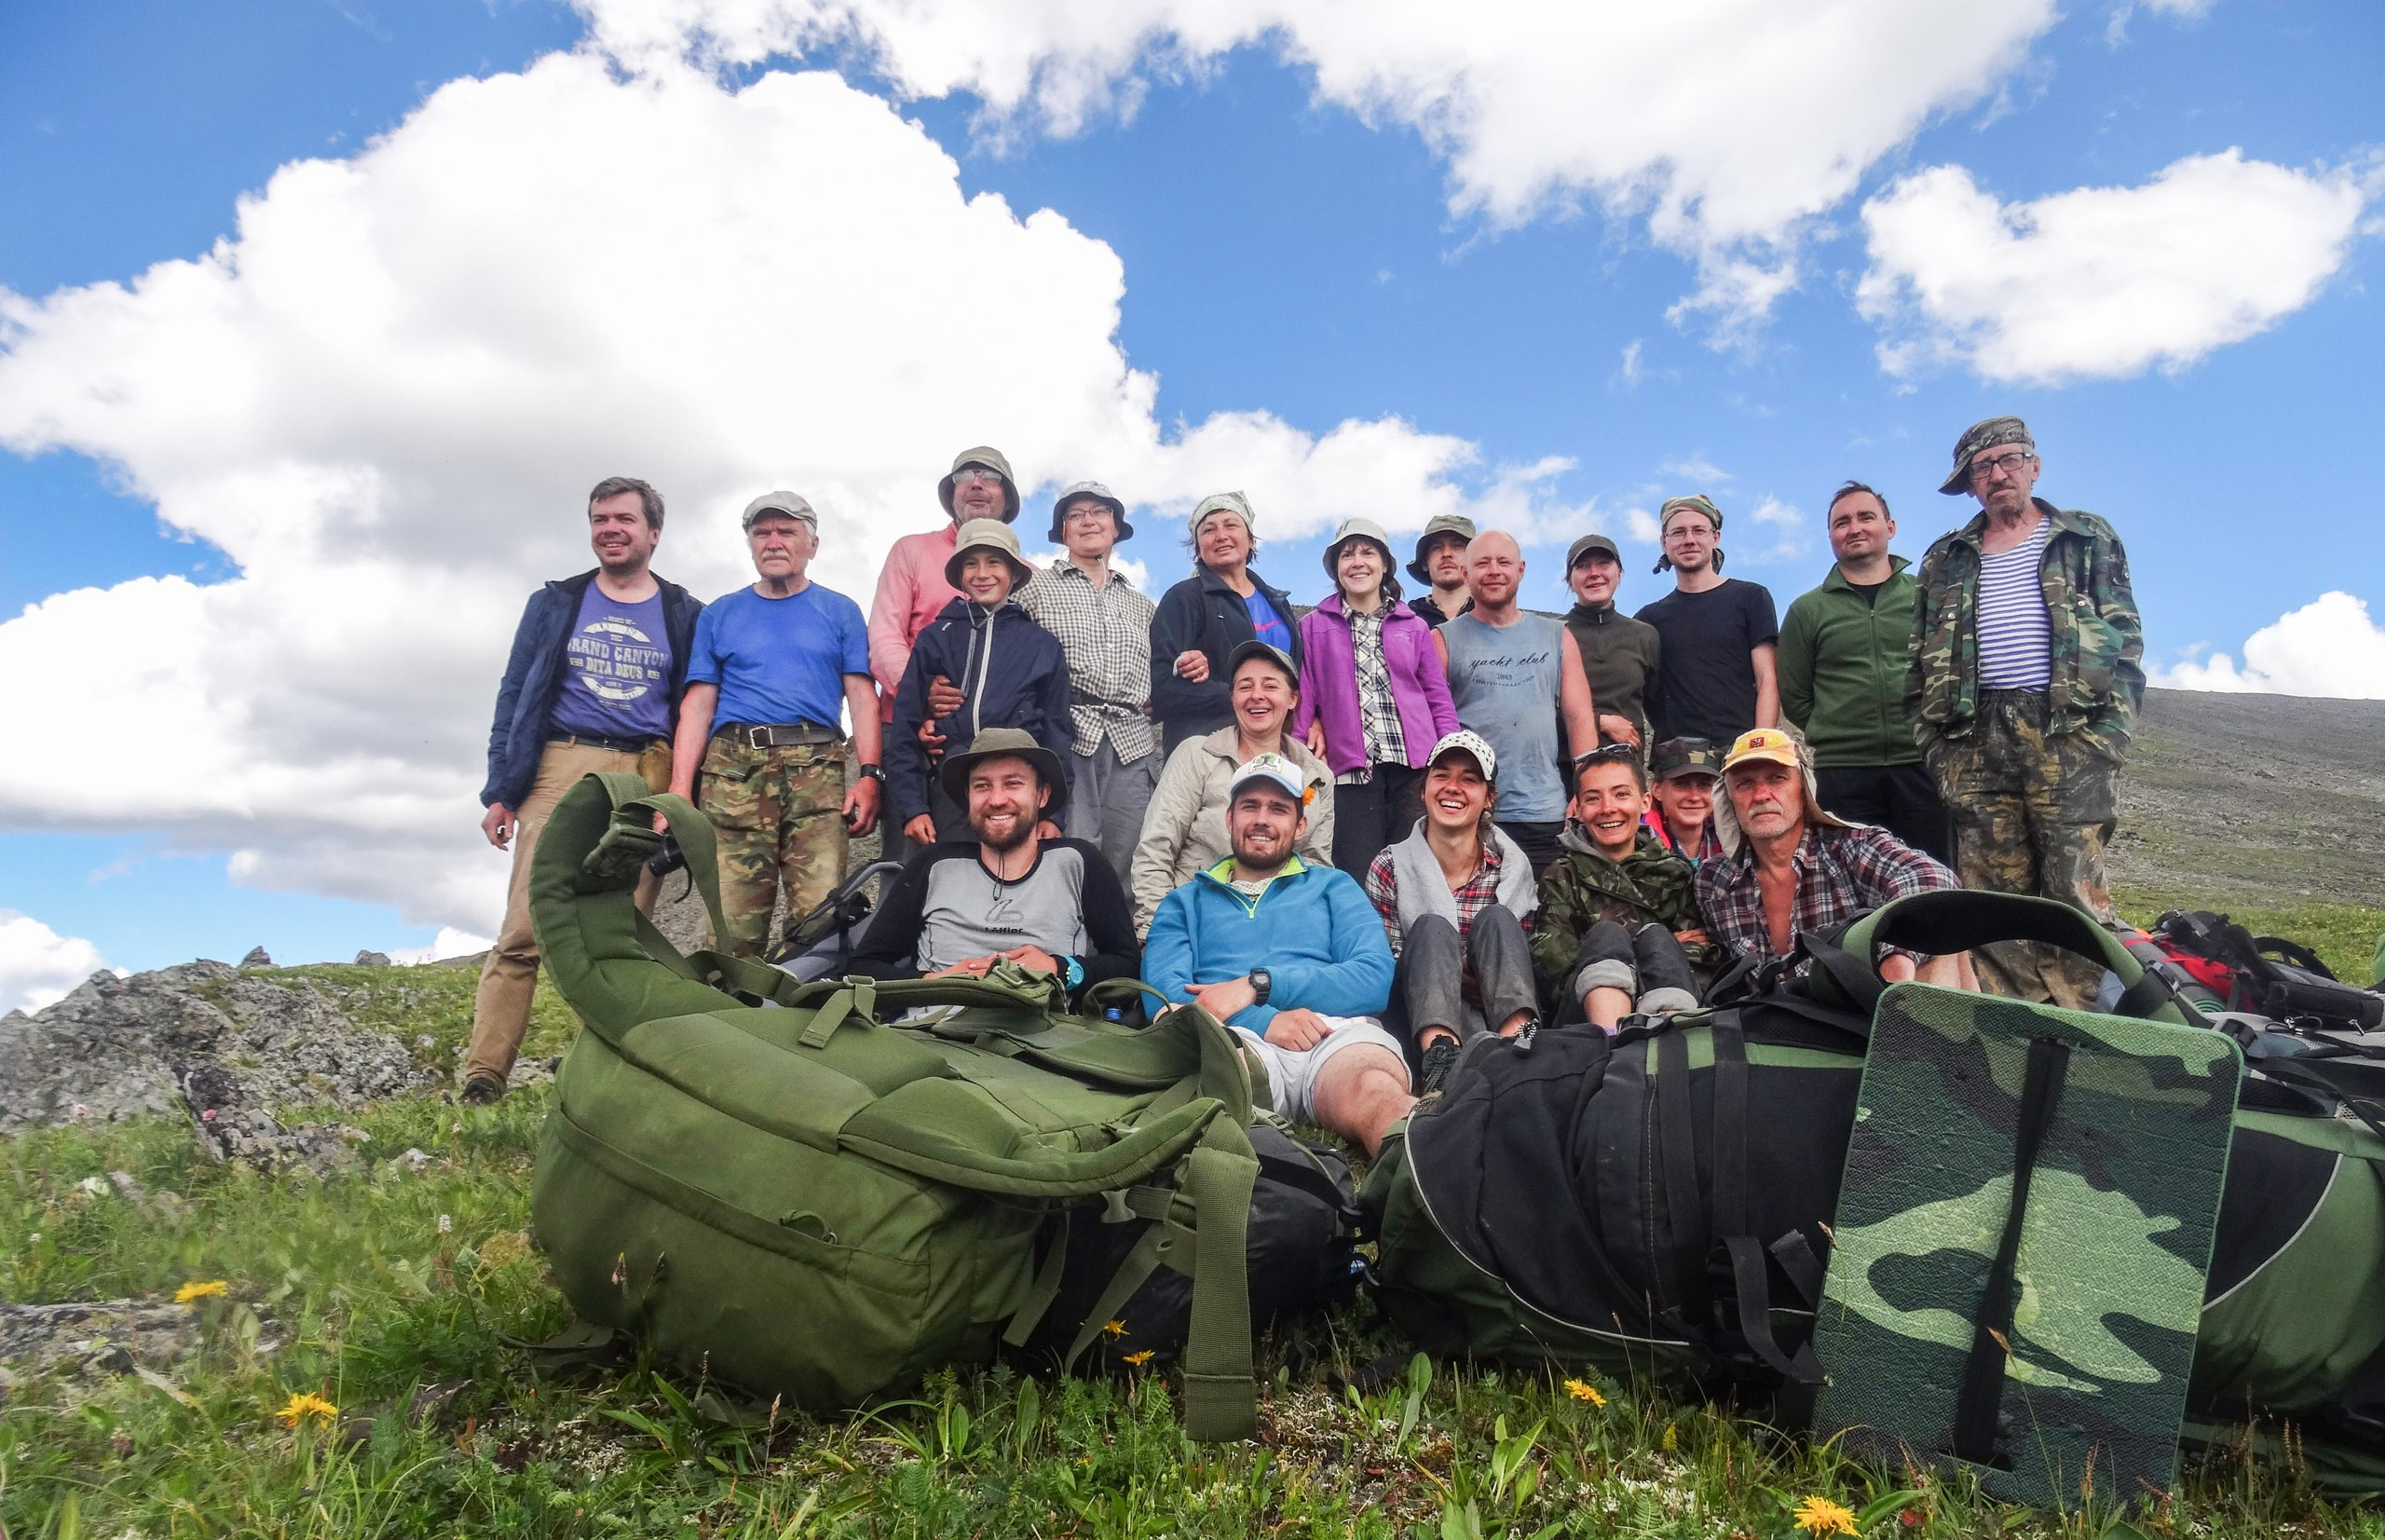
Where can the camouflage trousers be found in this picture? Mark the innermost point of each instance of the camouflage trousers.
(2031, 815)
(779, 816)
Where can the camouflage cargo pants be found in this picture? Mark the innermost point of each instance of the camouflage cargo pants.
(779, 814)
(2031, 815)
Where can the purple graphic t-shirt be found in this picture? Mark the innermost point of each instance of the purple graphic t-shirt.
(617, 670)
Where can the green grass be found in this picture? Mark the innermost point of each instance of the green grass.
(368, 1285)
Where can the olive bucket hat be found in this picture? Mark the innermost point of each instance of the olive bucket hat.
(986, 535)
(1005, 743)
(1080, 492)
(989, 459)
(1441, 523)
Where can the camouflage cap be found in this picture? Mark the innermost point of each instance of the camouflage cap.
(990, 458)
(1232, 502)
(1684, 756)
(787, 504)
(1439, 525)
(1987, 434)
(1696, 502)
(986, 535)
(1078, 492)
(1005, 743)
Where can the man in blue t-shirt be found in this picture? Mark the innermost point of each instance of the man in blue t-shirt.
(774, 668)
(596, 665)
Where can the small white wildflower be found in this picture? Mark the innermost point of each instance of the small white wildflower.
(446, 1223)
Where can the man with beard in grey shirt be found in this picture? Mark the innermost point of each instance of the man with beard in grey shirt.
(962, 905)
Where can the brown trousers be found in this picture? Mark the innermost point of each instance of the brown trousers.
(501, 1006)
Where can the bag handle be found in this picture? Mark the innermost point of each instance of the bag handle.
(1961, 920)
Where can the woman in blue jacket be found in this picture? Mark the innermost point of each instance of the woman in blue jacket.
(1202, 620)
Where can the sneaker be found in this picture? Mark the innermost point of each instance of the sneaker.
(482, 1090)
(1439, 1059)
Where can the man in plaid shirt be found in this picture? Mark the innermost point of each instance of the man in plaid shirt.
(1104, 626)
(1790, 868)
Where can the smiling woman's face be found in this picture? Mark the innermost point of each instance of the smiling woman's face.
(1223, 539)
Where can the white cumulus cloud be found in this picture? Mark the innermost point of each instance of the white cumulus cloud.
(38, 965)
(2098, 282)
(2330, 647)
(1727, 123)
(386, 395)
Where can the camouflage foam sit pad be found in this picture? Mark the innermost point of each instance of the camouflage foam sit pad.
(2114, 1243)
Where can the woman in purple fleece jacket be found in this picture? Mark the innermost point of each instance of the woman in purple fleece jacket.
(1374, 695)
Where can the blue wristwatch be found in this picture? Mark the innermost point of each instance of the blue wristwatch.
(1074, 970)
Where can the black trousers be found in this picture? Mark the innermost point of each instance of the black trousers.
(1537, 840)
(1434, 965)
(1901, 798)
(1368, 817)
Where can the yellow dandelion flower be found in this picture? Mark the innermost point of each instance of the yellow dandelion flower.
(1820, 1515)
(303, 1405)
(1140, 1359)
(1116, 1329)
(211, 1288)
(1582, 1390)
(1672, 1440)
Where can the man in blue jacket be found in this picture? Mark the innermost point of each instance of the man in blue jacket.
(1292, 956)
(593, 684)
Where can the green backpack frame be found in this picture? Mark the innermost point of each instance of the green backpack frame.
(771, 1185)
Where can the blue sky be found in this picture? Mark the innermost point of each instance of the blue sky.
(1281, 255)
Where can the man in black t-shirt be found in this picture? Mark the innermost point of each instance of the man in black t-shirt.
(1719, 636)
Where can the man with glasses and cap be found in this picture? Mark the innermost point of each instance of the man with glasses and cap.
(1438, 564)
(592, 684)
(1720, 633)
(1620, 655)
(2022, 684)
(761, 746)
(1789, 870)
(1104, 626)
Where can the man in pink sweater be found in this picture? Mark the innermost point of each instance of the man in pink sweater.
(911, 590)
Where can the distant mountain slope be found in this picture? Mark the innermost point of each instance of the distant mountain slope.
(2272, 797)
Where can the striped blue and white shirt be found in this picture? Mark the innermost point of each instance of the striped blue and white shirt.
(2015, 635)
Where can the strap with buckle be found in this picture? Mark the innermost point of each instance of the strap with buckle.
(783, 735)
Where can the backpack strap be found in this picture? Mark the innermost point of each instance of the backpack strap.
(1961, 920)
(1976, 1438)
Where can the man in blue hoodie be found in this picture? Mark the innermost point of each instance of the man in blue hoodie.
(983, 662)
(1292, 956)
(593, 684)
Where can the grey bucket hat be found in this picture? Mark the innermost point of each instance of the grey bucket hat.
(986, 535)
(1441, 523)
(1989, 434)
(1005, 743)
(1356, 529)
(1078, 491)
(787, 503)
(992, 458)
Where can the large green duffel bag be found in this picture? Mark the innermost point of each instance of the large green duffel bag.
(770, 1184)
(1659, 1204)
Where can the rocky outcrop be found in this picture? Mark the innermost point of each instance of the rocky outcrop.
(190, 1039)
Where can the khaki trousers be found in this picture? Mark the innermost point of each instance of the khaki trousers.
(501, 1006)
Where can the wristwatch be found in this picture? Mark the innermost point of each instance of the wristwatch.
(1262, 981)
(873, 772)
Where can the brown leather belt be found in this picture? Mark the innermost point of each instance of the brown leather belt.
(594, 740)
(781, 735)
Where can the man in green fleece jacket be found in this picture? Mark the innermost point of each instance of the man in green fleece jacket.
(1842, 654)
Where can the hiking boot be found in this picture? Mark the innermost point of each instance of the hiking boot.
(482, 1089)
(1439, 1059)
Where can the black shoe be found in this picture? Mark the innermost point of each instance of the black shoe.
(1439, 1059)
(482, 1090)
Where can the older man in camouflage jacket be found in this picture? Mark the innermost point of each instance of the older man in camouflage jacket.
(2023, 682)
